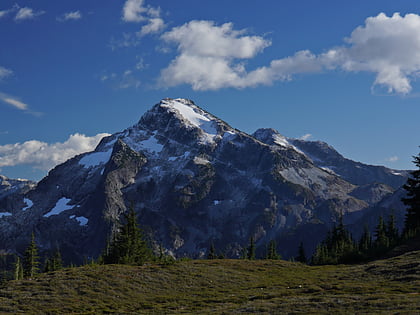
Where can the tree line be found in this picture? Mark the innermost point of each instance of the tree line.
(128, 246)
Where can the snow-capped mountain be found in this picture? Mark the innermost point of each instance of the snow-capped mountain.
(193, 180)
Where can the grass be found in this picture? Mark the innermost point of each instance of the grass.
(222, 287)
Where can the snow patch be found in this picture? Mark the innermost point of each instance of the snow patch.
(200, 161)
(60, 206)
(151, 144)
(82, 220)
(95, 159)
(5, 214)
(194, 118)
(28, 203)
(396, 173)
(216, 202)
(280, 140)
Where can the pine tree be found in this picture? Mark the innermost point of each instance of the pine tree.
(272, 251)
(391, 231)
(212, 252)
(30, 260)
(301, 257)
(251, 249)
(18, 269)
(365, 243)
(412, 219)
(381, 242)
(128, 246)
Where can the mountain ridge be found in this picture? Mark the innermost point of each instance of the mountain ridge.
(193, 180)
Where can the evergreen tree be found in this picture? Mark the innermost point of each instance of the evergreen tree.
(212, 252)
(301, 257)
(18, 269)
(381, 242)
(272, 251)
(412, 219)
(365, 243)
(30, 260)
(54, 263)
(128, 246)
(391, 231)
(251, 249)
(338, 247)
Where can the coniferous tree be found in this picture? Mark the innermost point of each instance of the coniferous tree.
(272, 251)
(381, 242)
(18, 274)
(412, 219)
(301, 257)
(30, 259)
(54, 263)
(212, 252)
(251, 249)
(365, 242)
(128, 246)
(338, 247)
(391, 231)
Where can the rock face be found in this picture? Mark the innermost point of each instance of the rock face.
(194, 180)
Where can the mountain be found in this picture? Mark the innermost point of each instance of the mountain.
(194, 180)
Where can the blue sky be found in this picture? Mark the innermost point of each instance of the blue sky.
(344, 72)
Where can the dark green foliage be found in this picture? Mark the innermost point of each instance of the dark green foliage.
(337, 248)
(381, 240)
(54, 263)
(31, 259)
(301, 257)
(412, 220)
(365, 242)
(251, 249)
(18, 272)
(392, 231)
(272, 251)
(212, 252)
(128, 246)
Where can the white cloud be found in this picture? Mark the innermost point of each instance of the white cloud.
(4, 13)
(209, 55)
(155, 25)
(306, 136)
(75, 15)
(392, 159)
(133, 11)
(13, 101)
(44, 156)
(4, 73)
(26, 13)
(136, 11)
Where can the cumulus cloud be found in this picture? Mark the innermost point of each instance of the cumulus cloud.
(26, 13)
(4, 73)
(207, 55)
(210, 56)
(154, 25)
(75, 15)
(136, 11)
(44, 156)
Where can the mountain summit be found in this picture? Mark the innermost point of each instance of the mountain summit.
(194, 180)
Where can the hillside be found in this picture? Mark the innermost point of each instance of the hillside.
(222, 286)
